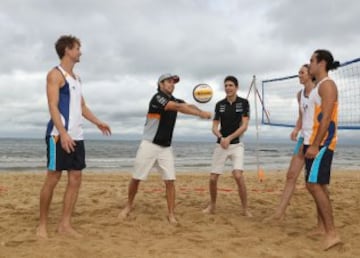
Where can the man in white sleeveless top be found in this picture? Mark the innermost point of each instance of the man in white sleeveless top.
(64, 134)
(320, 139)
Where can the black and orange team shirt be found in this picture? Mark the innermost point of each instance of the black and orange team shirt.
(159, 126)
(230, 116)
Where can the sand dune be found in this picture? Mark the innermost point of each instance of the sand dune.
(146, 233)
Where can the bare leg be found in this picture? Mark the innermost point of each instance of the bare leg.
(213, 193)
(320, 229)
(240, 181)
(133, 188)
(320, 195)
(296, 165)
(70, 198)
(52, 178)
(170, 197)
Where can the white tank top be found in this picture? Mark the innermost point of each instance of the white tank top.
(313, 100)
(304, 104)
(70, 96)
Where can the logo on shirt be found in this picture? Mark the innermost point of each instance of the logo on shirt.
(222, 108)
(239, 107)
(161, 100)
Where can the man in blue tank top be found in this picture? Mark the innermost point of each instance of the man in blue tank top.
(64, 134)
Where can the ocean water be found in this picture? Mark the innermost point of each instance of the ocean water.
(117, 155)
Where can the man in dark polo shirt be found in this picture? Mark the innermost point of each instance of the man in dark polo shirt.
(155, 148)
(232, 114)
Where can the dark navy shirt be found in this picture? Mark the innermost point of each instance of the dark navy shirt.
(160, 123)
(230, 116)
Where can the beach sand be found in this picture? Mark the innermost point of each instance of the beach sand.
(146, 233)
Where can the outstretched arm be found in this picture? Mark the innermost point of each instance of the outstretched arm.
(188, 109)
(86, 112)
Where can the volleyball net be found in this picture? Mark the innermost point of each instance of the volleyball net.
(280, 106)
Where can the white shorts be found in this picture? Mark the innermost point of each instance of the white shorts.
(151, 155)
(235, 152)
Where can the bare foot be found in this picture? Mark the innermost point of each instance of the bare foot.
(41, 232)
(172, 219)
(124, 213)
(68, 230)
(210, 209)
(247, 213)
(331, 242)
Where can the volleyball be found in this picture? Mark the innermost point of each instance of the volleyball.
(202, 93)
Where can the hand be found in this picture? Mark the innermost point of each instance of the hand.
(205, 115)
(224, 142)
(293, 135)
(67, 143)
(311, 152)
(104, 128)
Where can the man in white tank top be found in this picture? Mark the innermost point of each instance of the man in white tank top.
(319, 142)
(64, 134)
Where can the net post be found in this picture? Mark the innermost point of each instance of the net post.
(255, 91)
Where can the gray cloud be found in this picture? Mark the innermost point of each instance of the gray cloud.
(307, 21)
(303, 26)
(126, 45)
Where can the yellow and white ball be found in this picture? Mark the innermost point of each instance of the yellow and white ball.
(202, 93)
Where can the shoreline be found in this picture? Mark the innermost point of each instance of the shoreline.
(190, 171)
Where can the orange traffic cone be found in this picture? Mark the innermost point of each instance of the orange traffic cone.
(261, 175)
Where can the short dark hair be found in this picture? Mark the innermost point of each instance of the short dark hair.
(232, 79)
(65, 41)
(325, 55)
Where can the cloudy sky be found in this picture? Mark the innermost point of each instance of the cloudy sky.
(126, 45)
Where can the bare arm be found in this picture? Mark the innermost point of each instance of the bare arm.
(225, 142)
(188, 109)
(215, 128)
(328, 93)
(54, 81)
(241, 129)
(86, 112)
(298, 125)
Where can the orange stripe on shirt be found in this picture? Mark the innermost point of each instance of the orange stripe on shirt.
(153, 116)
(334, 119)
(316, 124)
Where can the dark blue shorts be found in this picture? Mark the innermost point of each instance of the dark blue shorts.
(318, 169)
(58, 159)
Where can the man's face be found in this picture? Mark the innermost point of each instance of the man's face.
(314, 65)
(304, 75)
(230, 88)
(74, 53)
(167, 86)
